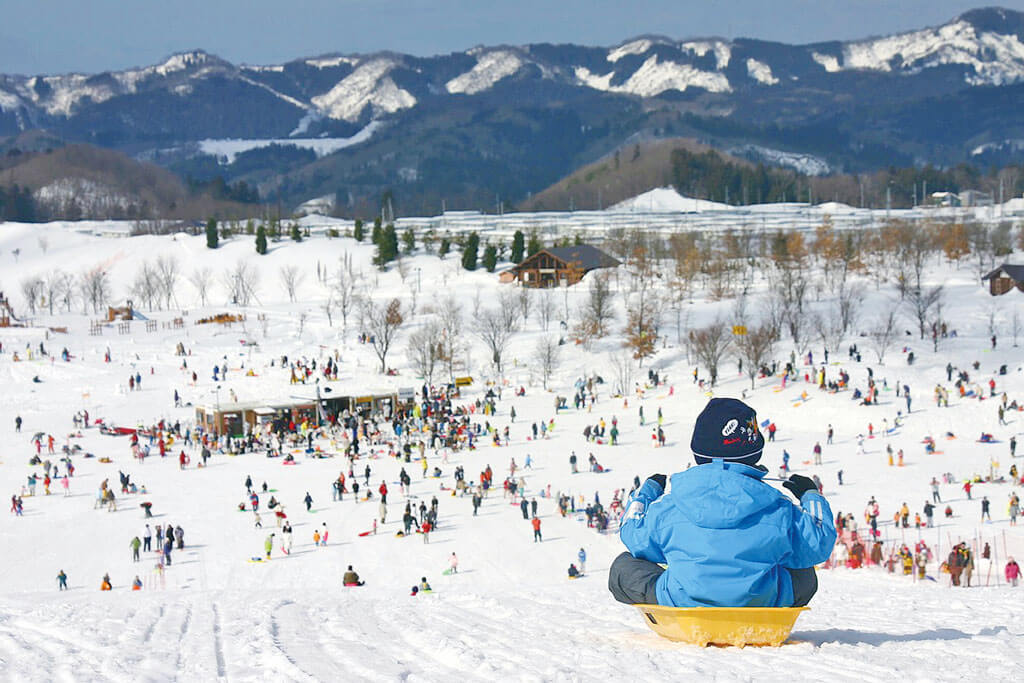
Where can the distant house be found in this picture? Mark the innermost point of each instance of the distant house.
(945, 199)
(975, 198)
(557, 265)
(1004, 278)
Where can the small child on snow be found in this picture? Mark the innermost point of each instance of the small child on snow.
(729, 539)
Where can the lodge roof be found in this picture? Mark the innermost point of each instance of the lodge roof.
(583, 256)
(1014, 272)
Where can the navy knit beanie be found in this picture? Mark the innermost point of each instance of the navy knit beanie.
(727, 429)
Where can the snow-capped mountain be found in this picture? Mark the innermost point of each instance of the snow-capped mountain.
(985, 47)
(843, 106)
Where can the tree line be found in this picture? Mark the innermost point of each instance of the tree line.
(709, 175)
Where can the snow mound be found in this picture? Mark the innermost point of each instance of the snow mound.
(667, 200)
(836, 207)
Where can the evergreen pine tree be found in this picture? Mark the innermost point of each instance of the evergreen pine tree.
(469, 251)
(261, 240)
(390, 239)
(375, 234)
(296, 234)
(445, 247)
(212, 240)
(387, 247)
(517, 246)
(534, 245)
(357, 232)
(490, 259)
(408, 241)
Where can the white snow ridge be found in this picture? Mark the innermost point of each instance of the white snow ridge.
(995, 59)
(654, 77)
(760, 72)
(490, 68)
(367, 86)
(829, 62)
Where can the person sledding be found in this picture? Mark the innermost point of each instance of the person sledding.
(727, 538)
(351, 578)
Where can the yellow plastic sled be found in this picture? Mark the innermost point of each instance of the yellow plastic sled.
(739, 626)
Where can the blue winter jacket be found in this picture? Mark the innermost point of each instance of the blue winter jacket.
(726, 536)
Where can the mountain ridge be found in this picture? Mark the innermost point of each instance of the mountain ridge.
(513, 104)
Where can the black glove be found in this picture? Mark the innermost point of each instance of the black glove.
(659, 479)
(798, 485)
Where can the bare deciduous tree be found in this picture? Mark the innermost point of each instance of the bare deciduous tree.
(545, 308)
(494, 331)
(32, 288)
(829, 328)
(95, 287)
(382, 324)
(241, 283)
(755, 348)
(291, 278)
(922, 302)
(623, 368)
(426, 349)
(328, 308)
(799, 328)
(345, 288)
(145, 288)
(450, 320)
(709, 345)
(52, 287)
(883, 333)
(525, 302)
(66, 290)
(545, 355)
(202, 280)
(168, 272)
(598, 307)
(849, 302)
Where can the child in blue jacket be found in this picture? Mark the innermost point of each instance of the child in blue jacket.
(728, 538)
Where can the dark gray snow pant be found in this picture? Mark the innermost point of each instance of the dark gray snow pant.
(632, 581)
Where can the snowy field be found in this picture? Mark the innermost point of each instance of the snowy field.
(509, 613)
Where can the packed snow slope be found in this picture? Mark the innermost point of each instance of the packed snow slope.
(509, 613)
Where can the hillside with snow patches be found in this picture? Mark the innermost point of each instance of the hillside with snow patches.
(509, 613)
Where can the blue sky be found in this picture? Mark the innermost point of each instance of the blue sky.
(56, 36)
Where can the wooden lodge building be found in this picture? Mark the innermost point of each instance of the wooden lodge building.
(556, 266)
(1005, 278)
(238, 419)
